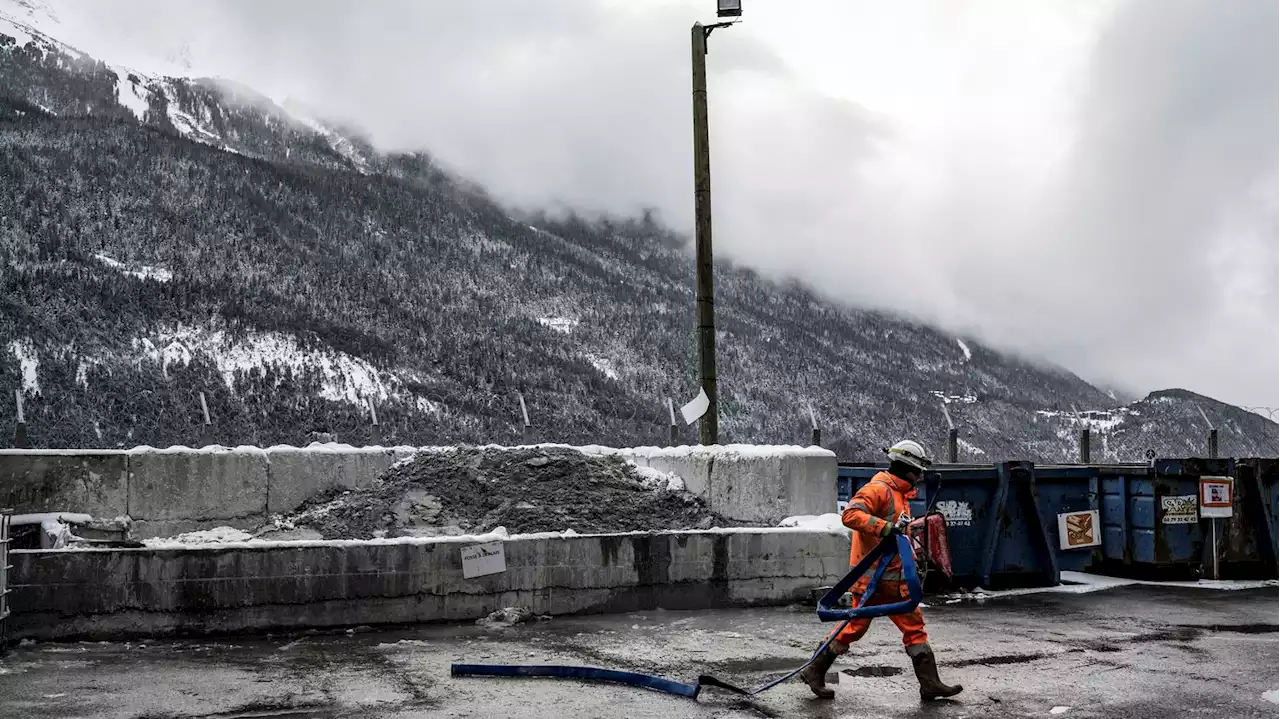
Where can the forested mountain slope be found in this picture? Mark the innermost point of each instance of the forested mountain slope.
(160, 237)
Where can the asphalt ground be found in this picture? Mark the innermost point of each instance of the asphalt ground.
(1136, 651)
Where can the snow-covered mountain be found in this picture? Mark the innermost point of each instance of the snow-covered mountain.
(162, 236)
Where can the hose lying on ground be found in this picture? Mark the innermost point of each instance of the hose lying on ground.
(828, 611)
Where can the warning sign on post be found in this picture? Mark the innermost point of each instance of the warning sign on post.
(481, 559)
(1079, 529)
(1179, 509)
(1216, 496)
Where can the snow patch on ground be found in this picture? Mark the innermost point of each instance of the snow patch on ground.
(604, 366)
(1098, 421)
(142, 272)
(1272, 696)
(217, 535)
(968, 354)
(130, 94)
(658, 480)
(15, 29)
(340, 144)
(957, 398)
(82, 372)
(559, 324)
(346, 378)
(29, 361)
(970, 448)
(816, 523)
(1084, 583)
(1059, 710)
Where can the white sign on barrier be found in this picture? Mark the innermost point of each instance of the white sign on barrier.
(481, 559)
(1079, 529)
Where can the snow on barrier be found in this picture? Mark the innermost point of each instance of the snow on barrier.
(251, 586)
(179, 489)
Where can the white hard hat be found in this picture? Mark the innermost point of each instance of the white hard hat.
(910, 453)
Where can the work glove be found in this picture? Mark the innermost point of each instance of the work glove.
(889, 528)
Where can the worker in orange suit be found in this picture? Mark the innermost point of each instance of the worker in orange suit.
(873, 514)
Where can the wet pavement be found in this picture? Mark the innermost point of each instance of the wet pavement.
(1128, 652)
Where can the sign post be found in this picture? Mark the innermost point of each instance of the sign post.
(816, 437)
(674, 429)
(206, 433)
(20, 439)
(1216, 497)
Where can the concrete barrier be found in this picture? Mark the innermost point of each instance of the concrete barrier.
(297, 474)
(111, 594)
(86, 481)
(167, 491)
(181, 490)
(751, 483)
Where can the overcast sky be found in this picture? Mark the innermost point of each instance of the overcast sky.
(1090, 182)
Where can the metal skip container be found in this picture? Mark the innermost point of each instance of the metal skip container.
(1016, 524)
(997, 534)
(1127, 520)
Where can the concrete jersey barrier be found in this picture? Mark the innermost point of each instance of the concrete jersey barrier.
(168, 491)
(118, 593)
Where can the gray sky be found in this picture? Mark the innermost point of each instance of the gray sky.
(1091, 182)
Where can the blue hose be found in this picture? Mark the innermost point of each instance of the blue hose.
(563, 672)
(882, 555)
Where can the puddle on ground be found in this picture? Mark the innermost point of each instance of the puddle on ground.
(873, 671)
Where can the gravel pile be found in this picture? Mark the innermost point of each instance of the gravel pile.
(475, 490)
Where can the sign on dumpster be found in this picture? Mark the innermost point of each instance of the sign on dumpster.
(1179, 509)
(1215, 497)
(958, 514)
(1077, 530)
(481, 559)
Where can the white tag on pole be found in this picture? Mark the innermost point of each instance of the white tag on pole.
(694, 410)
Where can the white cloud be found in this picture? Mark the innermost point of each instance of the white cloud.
(1088, 182)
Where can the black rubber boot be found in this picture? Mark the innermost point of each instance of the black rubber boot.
(931, 687)
(815, 675)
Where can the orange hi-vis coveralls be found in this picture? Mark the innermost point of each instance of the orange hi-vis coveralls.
(878, 502)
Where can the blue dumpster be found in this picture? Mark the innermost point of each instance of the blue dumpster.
(1148, 523)
(1003, 520)
(994, 528)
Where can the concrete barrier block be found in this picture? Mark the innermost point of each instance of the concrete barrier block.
(94, 483)
(154, 592)
(297, 474)
(222, 487)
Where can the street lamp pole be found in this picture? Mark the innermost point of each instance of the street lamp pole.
(709, 429)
